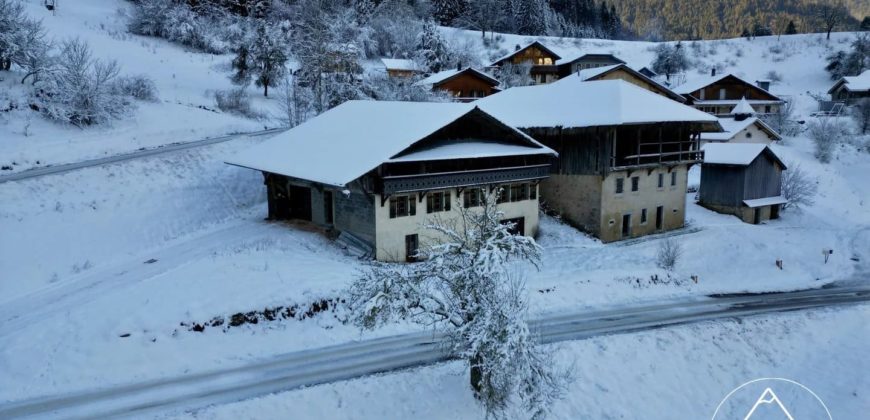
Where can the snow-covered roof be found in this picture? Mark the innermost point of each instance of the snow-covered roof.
(743, 107)
(471, 149)
(860, 82)
(444, 75)
(353, 138)
(573, 103)
(587, 74)
(733, 126)
(400, 64)
(537, 44)
(741, 154)
(697, 82)
(766, 201)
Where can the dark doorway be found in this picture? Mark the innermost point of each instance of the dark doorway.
(412, 246)
(660, 215)
(327, 207)
(300, 202)
(519, 225)
(774, 211)
(756, 218)
(626, 225)
(279, 197)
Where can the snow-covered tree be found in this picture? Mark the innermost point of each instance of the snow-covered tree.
(513, 75)
(483, 16)
(446, 11)
(670, 59)
(464, 285)
(530, 16)
(22, 40)
(798, 187)
(80, 89)
(432, 51)
(268, 54)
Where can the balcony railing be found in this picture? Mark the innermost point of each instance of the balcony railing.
(435, 181)
(659, 153)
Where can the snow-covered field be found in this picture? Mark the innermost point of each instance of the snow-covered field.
(680, 372)
(185, 81)
(100, 267)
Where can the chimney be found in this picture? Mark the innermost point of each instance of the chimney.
(459, 66)
(764, 84)
(713, 72)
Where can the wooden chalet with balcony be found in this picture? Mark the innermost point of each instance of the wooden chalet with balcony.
(542, 60)
(586, 61)
(623, 72)
(624, 152)
(851, 88)
(377, 172)
(465, 85)
(718, 95)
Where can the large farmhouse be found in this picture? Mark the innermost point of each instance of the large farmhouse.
(541, 59)
(624, 152)
(378, 171)
(850, 88)
(718, 95)
(742, 179)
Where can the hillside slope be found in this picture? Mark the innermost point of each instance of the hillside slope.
(184, 79)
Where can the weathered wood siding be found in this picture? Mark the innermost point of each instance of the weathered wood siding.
(722, 185)
(467, 86)
(581, 152)
(762, 178)
(355, 213)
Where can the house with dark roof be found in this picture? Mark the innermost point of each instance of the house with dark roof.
(719, 94)
(742, 179)
(465, 84)
(585, 61)
(541, 59)
(377, 172)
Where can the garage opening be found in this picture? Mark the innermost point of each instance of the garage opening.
(300, 202)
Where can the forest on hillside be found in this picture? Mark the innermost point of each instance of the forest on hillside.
(716, 19)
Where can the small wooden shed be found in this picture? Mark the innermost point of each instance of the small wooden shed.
(742, 179)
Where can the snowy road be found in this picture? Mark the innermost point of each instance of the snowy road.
(316, 366)
(57, 169)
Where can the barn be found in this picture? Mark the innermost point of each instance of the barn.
(376, 172)
(742, 179)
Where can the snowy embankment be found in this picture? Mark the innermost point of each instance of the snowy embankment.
(185, 80)
(679, 372)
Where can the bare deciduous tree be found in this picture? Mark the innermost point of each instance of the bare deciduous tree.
(463, 287)
(826, 134)
(861, 114)
(668, 254)
(831, 13)
(798, 187)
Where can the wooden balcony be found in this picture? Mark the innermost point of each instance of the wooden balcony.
(655, 153)
(435, 181)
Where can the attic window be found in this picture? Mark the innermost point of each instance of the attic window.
(748, 135)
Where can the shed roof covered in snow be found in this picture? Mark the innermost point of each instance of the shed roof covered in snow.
(348, 141)
(598, 73)
(859, 83)
(400, 64)
(573, 103)
(733, 126)
(743, 107)
(736, 154)
(440, 77)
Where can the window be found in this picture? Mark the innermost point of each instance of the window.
(673, 179)
(635, 183)
(619, 185)
(402, 205)
(533, 192)
(660, 215)
(438, 201)
(519, 192)
(767, 109)
(661, 181)
(701, 95)
(722, 93)
(748, 135)
(643, 216)
(472, 197)
(412, 247)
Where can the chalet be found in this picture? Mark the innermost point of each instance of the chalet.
(623, 72)
(376, 172)
(396, 67)
(742, 179)
(465, 84)
(586, 61)
(624, 152)
(542, 59)
(850, 88)
(718, 95)
(742, 126)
